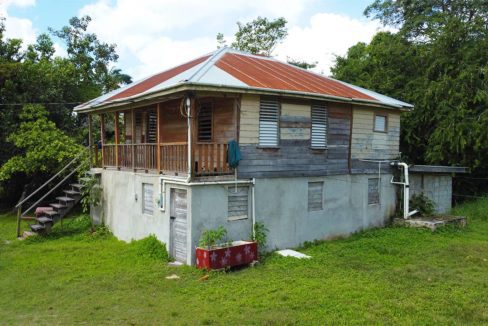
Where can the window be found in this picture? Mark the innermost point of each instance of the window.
(373, 191)
(269, 113)
(151, 125)
(380, 123)
(315, 196)
(319, 127)
(205, 122)
(147, 199)
(237, 202)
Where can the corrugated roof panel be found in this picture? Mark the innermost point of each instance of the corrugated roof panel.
(267, 73)
(157, 79)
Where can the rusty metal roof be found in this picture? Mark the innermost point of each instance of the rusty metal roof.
(228, 68)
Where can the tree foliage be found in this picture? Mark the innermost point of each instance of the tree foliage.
(302, 64)
(437, 61)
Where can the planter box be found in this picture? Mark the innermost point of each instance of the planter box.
(240, 253)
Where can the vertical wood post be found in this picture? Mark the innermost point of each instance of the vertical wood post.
(102, 135)
(117, 136)
(133, 147)
(19, 211)
(90, 140)
(158, 136)
(193, 136)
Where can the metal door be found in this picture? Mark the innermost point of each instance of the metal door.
(178, 213)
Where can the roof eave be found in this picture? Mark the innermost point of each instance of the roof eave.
(186, 86)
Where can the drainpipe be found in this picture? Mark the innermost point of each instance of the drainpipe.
(253, 203)
(188, 112)
(406, 189)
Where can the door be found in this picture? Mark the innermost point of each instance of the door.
(178, 214)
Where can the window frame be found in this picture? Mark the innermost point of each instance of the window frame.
(326, 126)
(211, 106)
(145, 209)
(384, 115)
(278, 115)
(322, 184)
(237, 217)
(378, 185)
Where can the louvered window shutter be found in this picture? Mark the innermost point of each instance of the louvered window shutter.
(269, 113)
(205, 123)
(319, 127)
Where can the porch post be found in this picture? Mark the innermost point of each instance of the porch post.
(192, 135)
(133, 147)
(116, 126)
(158, 137)
(90, 140)
(102, 136)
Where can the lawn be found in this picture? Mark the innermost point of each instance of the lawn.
(392, 275)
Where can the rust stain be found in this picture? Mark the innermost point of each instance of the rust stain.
(157, 79)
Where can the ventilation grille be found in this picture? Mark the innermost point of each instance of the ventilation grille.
(319, 127)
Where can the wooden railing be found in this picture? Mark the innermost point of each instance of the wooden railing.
(209, 158)
(174, 157)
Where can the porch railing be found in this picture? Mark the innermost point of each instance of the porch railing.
(209, 158)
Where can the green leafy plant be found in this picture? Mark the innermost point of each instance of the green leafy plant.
(212, 238)
(91, 193)
(423, 204)
(260, 236)
(151, 247)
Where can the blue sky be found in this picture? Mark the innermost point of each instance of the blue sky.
(152, 35)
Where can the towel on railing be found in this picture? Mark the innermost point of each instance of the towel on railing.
(233, 154)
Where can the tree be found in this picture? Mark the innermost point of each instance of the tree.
(302, 64)
(437, 61)
(259, 36)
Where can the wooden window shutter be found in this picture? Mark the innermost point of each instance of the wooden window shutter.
(205, 122)
(269, 113)
(315, 196)
(152, 127)
(147, 199)
(373, 191)
(319, 127)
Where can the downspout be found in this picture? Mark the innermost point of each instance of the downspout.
(406, 189)
(253, 213)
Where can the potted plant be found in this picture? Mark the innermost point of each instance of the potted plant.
(214, 252)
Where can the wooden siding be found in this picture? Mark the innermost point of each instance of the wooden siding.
(294, 157)
(295, 121)
(249, 124)
(368, 144)
(173, 126)
(224, 125)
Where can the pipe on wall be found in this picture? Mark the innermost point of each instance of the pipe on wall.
(406, 189)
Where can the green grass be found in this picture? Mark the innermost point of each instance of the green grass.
(384, 276)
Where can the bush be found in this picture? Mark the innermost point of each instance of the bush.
(151, 247)
(260, 235)
(212, 238)
(423, 204)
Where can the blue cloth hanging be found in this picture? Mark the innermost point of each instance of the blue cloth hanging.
(233, 154)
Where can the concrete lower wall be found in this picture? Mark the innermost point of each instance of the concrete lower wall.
(281, 204)
(436, 187)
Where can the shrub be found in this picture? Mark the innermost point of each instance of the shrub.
(260, 235)
(423, 204)
(211, 238)
(151, 247)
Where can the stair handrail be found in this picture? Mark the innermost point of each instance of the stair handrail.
(52, 189)
(48, 181)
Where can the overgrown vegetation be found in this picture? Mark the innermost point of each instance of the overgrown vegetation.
(91, 192)
(382, 276)
(213, 238)
(423, 204)
(151, 247)
(260, 235)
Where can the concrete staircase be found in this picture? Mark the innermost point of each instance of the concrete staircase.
(45, 216)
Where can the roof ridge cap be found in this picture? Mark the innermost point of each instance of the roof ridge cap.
(197, 75)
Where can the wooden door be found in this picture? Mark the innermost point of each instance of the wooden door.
(178, 214)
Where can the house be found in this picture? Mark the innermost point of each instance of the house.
(314, 153)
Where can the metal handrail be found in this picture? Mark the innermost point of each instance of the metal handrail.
(52, 189)
(48, 181)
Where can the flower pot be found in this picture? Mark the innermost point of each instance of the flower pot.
(239, 253)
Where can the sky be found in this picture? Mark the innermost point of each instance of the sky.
(154, 35)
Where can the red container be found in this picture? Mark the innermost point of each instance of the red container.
(240, 253)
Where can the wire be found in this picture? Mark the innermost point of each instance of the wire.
(45, 103)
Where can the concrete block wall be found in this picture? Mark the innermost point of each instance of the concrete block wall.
(437, 187)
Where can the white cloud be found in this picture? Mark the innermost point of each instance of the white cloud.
(18, 27)
(152, 35)
(325, 36)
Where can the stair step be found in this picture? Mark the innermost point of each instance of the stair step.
(77, 185)
(37, 227)
(72, 192)
(58, 206)
(65, 199)
(28, 218)
(51, 213)
(44, 220)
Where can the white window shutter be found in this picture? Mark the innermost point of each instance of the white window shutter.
(380, 123)
(319, 127)
(269, 113)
